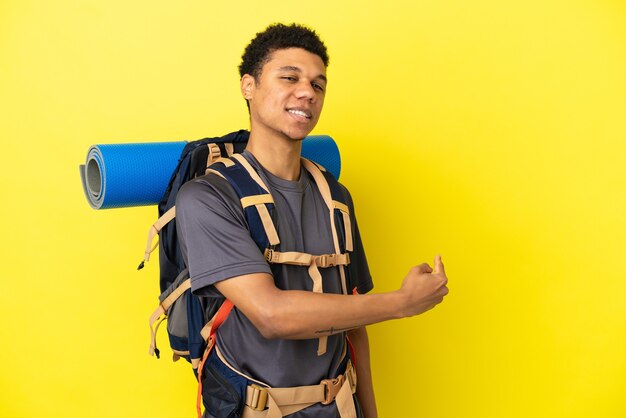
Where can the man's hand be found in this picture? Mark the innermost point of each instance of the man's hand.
(423, 288)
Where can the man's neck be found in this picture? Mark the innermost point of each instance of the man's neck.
(277, 154)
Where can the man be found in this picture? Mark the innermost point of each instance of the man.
(273, 335)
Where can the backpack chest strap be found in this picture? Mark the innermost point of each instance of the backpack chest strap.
(304, 259)
(313, 261)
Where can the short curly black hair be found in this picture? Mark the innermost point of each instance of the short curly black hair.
(279, 36)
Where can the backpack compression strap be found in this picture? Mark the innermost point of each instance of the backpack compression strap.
(154, 232)
(179, 286)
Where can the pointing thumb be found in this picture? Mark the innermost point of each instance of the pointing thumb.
(438, 267)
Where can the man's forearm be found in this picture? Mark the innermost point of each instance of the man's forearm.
(295, 314)
(302, 315)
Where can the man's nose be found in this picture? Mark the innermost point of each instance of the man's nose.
(305, 91)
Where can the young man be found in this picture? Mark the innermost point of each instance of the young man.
(280, 332)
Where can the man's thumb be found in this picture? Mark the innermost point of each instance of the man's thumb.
(438, 267)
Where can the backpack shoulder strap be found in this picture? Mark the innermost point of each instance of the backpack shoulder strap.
(335, 200)
(256, 199)
(340, 205)
(338, 211)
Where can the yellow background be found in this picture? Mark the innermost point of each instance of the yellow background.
(489, 131)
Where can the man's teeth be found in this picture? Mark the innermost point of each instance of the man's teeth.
(298, 112)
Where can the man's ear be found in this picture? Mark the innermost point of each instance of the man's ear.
(247, 86)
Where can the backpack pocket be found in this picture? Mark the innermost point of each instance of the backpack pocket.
(187, 315)
(178, 326)
(223, 390)
(185, 320)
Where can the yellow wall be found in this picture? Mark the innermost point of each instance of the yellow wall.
(490, 132)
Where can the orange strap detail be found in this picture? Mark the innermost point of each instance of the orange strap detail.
(217, 320)
(221, 316)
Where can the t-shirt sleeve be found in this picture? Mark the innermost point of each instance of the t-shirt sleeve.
(213, 233)
(359, 269)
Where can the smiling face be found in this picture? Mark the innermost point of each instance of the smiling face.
(287, 99)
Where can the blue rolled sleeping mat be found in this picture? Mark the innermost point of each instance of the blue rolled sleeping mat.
(125, 175)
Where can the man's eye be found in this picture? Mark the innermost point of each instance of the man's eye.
(318, 87)
(289, 78)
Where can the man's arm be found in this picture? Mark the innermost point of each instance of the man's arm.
(364, 387)
(295, 314)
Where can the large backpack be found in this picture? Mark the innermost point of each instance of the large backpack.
(193, 320)
(185, 312)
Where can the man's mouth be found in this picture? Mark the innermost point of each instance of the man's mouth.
(301, 113)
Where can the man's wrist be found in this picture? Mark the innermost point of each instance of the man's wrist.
(397, 303)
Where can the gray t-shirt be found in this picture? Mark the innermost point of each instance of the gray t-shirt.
(216, 244)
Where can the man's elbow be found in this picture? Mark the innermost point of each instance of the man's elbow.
(272, 322)
(256, 296)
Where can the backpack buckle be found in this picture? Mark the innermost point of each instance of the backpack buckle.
(324, 260)
(258, 399)
(269, 255)
(331, 389)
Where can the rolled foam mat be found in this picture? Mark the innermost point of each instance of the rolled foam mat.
(124, 175)
(323, 150)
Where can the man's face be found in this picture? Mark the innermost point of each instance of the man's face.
(287, 99)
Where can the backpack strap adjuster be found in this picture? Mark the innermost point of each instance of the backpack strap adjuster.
(331, 389)
(304, 259)
(256, 397)
(325, 260)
